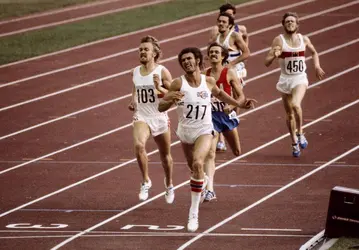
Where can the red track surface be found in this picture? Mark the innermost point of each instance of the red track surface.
(26, 191)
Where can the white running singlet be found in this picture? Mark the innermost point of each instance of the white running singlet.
(146, 93)
(195, 108)
(292, 60)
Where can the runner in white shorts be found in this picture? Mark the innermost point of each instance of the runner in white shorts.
(192, 94)
(289, 48)
(151, 82)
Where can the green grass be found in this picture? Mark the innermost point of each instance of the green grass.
(346, 244)
(30, 44)
(16, 8)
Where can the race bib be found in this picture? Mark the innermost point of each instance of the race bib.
(294, 65)
(217, 105)
(233, 115)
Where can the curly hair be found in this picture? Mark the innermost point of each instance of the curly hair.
(195, 51)
(226, 7)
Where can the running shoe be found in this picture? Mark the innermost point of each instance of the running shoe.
(303, 143)
(143, 195)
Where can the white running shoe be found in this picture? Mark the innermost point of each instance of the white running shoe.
(303, 143)
(170, 193)
(192, 225)
(143, 195)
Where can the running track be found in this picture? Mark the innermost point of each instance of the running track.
(39, 194)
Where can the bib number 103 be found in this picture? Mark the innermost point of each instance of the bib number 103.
(295, 66)
(145, 95)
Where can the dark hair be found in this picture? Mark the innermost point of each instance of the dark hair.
(224, 53)
(293, 14)
(226, 7)
(155, 44)
(195, 51)
(230, 18)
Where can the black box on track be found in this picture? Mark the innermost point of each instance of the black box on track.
(343, 213)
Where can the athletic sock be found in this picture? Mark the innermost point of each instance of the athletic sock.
(196, 189)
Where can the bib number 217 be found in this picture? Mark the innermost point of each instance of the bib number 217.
(194, 111)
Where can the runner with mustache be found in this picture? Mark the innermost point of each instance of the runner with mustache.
(224, 116)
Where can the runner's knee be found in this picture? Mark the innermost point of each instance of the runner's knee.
(211, 155)
(197, 165)
(297, 108)
(290, 115)
(139, 147)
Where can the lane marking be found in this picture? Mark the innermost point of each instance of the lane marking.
(272, 229)
(260, 164)
(162, 235)
(218, 167)
(247, 185)
(69, 210)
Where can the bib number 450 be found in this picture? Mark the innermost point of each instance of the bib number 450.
(295, 66)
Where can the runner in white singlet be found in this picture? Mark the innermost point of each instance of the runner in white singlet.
(234, 42)
(150, 81)
(192, 94)
(289, 48)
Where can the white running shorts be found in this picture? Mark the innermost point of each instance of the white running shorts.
(287, 83)
(158, 124)
(189, 134)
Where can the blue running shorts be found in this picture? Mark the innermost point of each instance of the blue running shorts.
(223, 122)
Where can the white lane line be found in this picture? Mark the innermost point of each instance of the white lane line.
(68, 210)
(269, 196)
(127, 34)
(260, 164)
(246, 185)
(242, 115)
(56, 11)
(272, 229)
(70, 20)
(125, 96)
(186, 182)
(160, 235)
(162, 42)
(136, 233)
(165, 60)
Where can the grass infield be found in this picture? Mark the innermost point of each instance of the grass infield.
(17, 8)
(34, 43)
(346, 244)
